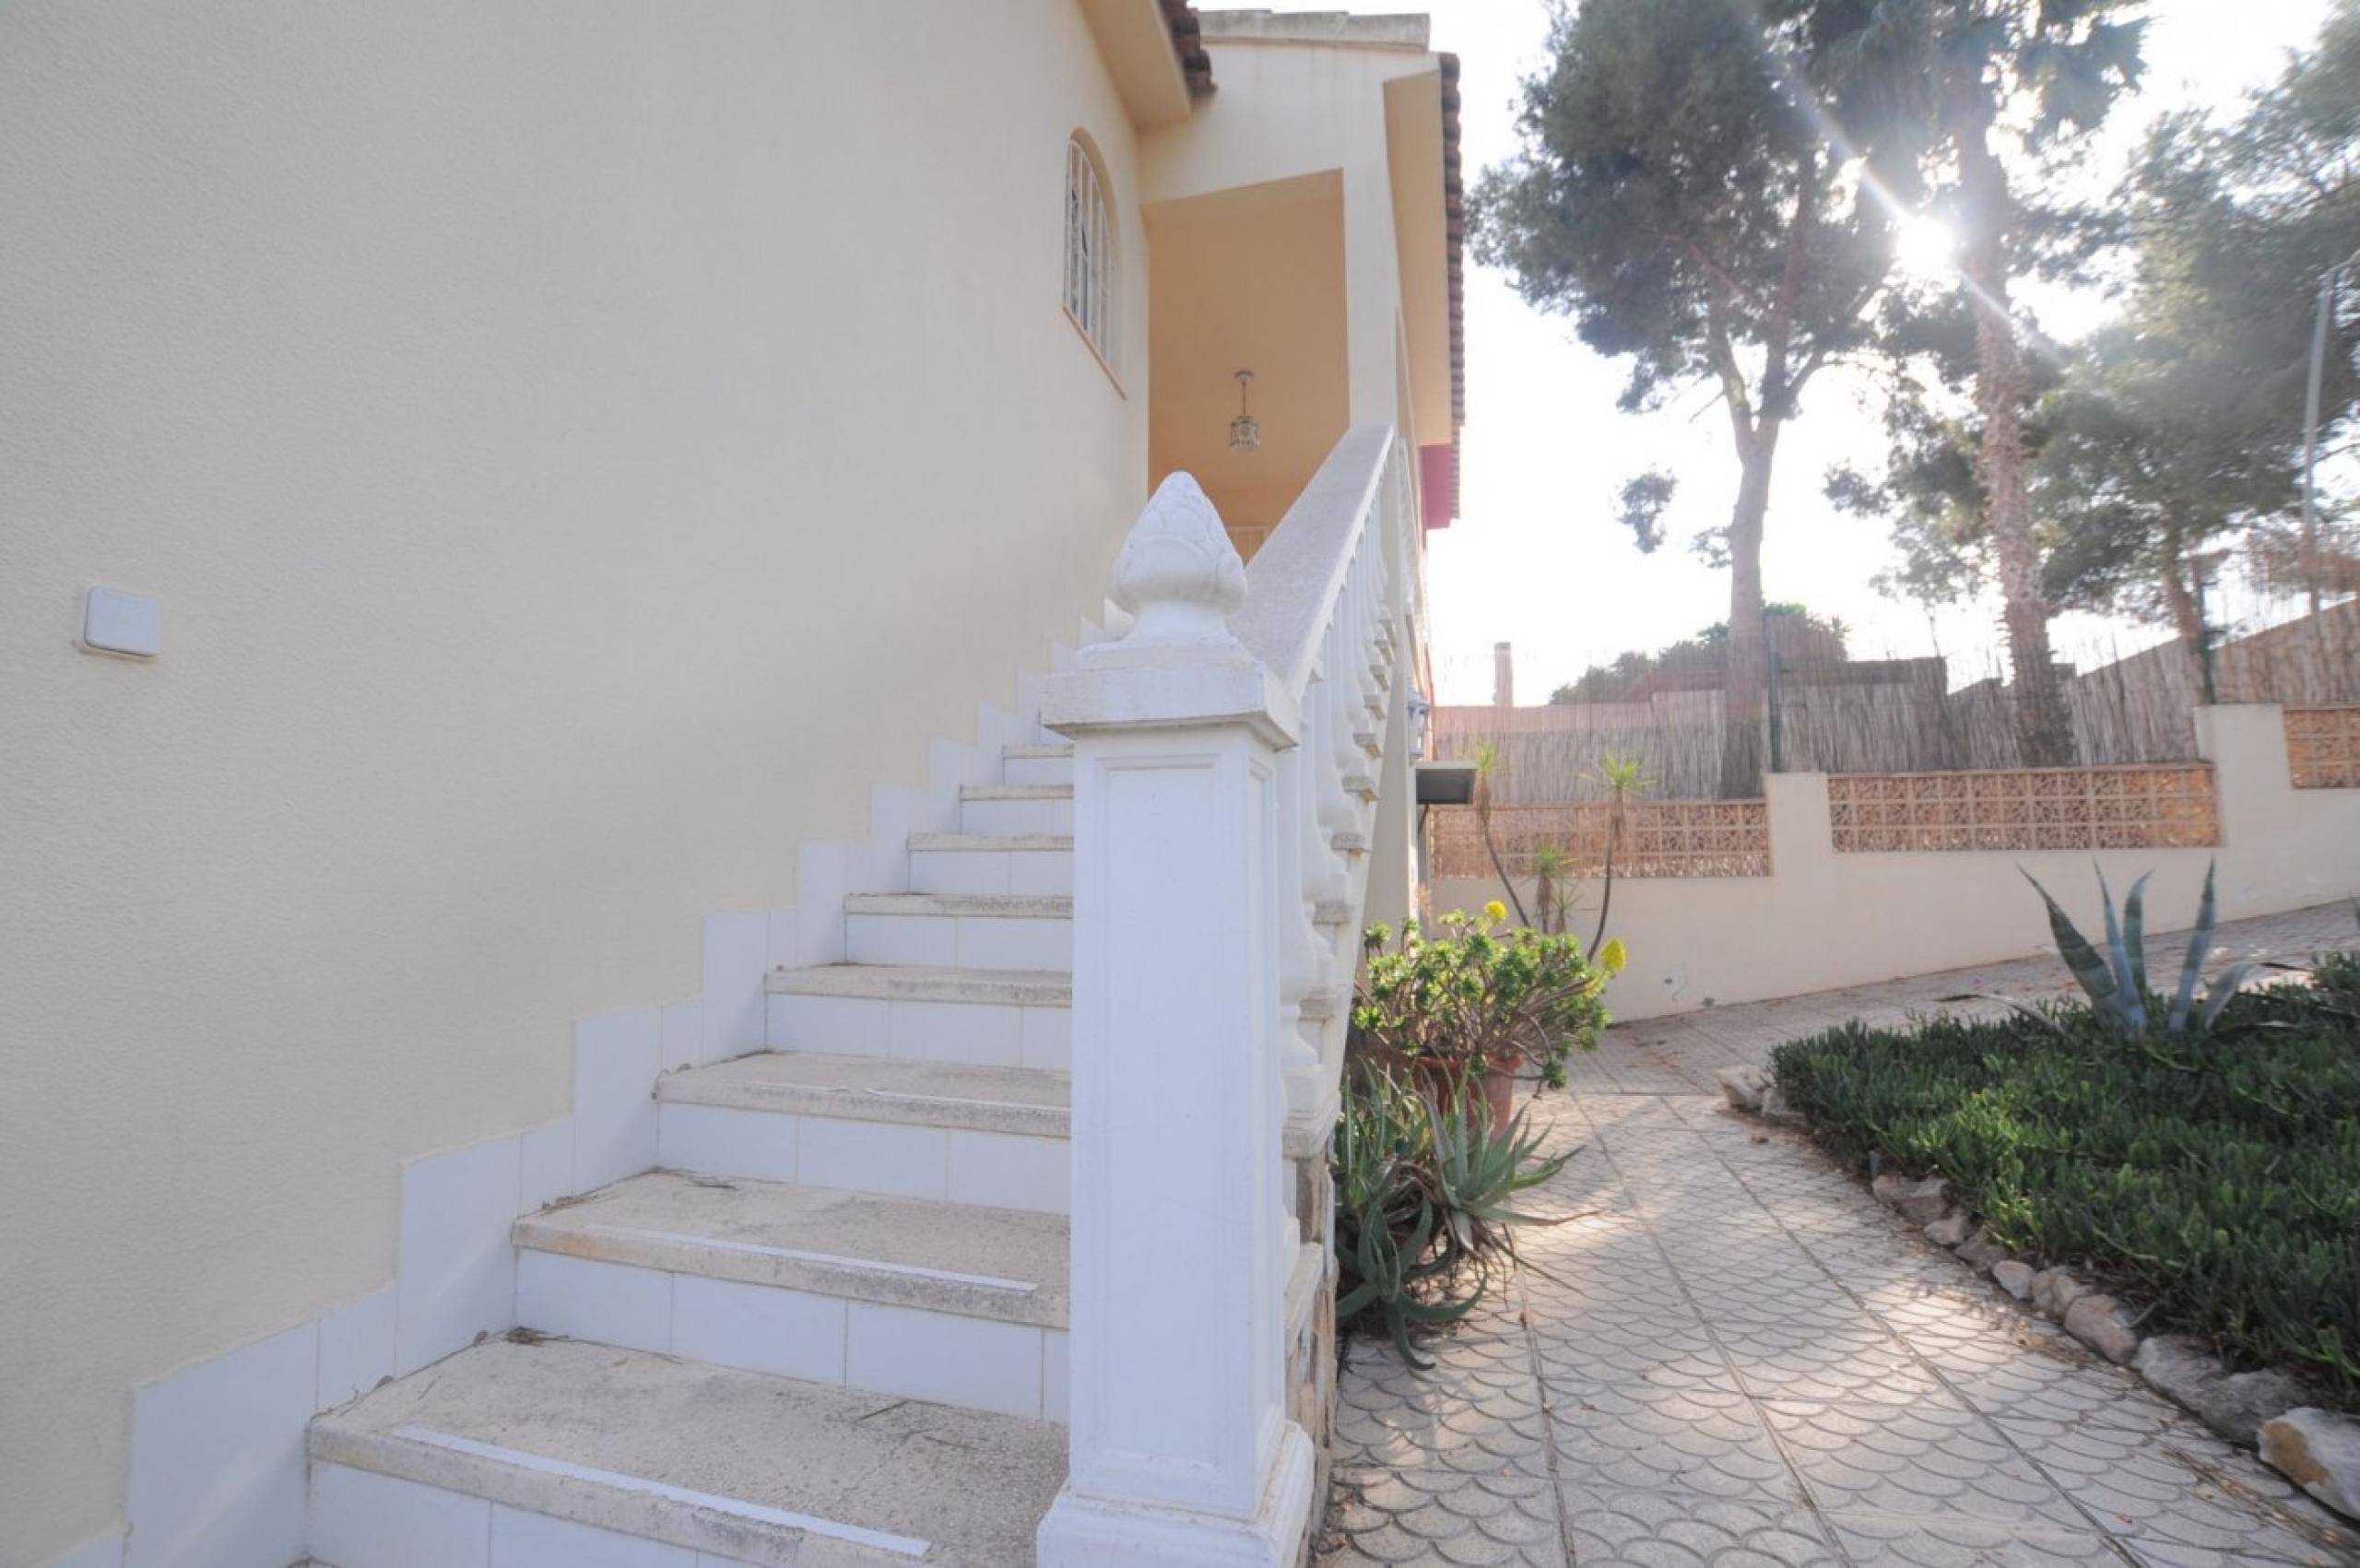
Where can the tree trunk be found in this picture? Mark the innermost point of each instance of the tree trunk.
(1746, 688)
(2044, 729)
(2180, 599)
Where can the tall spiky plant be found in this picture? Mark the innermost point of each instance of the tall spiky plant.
(1622, 778)
(1486, 757)
(2115, 981)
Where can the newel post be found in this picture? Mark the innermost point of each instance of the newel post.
(1181, 1450)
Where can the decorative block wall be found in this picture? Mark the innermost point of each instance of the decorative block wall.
(2022, 808)
(1660, 838)
(2323, 748)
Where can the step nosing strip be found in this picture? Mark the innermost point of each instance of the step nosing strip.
(901, 1545)
(917, 1099)
(836, 1260)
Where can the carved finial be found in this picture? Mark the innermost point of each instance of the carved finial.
(1178, 572)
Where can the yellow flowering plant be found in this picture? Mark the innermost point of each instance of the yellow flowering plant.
(1474, 996)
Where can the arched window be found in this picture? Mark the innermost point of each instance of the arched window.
(1090, 269)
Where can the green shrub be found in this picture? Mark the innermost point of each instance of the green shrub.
(1471, 997)
(1423, 1195)
(2216, 1179)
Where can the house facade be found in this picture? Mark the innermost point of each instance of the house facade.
(608, 945)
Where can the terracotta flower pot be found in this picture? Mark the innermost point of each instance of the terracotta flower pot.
(1499, 1093)
(1498, 1083)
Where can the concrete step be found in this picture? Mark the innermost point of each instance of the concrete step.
(1037, 764)
(949, 1095)
(969, 930)
(992, 863)
(1016, 809)
(560, 1453)
(959, 1305)
(926, 983)
(921, 1129)
(997, 1264)
(1007, 1017)
(965, 906)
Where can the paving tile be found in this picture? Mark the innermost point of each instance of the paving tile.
(1734, 1357)
(1610, 1528)
(1933, 1459)
(1872, 1542)
(1444, 1516)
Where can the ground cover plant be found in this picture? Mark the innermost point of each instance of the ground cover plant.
(2211, 1176)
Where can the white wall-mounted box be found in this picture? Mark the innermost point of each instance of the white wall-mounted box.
(114, 622)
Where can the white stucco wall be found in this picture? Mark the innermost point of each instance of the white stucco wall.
(578, 447)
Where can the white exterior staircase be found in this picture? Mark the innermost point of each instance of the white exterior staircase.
(831, 1326)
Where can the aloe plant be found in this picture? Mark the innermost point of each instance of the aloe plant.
(1425, 1202)
(2116, 980)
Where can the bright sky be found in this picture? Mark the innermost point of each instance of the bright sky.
(1539, 559)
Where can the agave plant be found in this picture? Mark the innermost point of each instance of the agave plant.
(1425, 1202)
(2115, 981)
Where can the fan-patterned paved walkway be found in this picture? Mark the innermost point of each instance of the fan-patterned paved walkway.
(1738, 1359)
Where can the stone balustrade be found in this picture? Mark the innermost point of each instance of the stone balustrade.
(1228, 754)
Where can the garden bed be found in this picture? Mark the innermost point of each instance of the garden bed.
(2213, 1182)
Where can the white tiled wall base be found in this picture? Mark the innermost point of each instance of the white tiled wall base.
(217, 1457)
(104, 1552)
(736, 954)
(217, 1460)
(934, 1356)
(356, 1348)
(988, 1035)
(1004, 1170)
(615, 1063)
(361, 1519)
(217, 1472)
(455, 1273)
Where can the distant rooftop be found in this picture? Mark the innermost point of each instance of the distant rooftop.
(1404, 30)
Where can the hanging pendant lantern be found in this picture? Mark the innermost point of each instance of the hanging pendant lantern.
(1246, 431)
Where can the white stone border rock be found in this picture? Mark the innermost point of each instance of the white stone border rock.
(2319, 1450)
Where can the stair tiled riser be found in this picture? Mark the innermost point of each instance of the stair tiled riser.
(991, 871)
(992, 1034)
(959, 941)
(1039, 765)
(1009, 1368)
(377, 1521)
(1023, 816)
(1002, 1170)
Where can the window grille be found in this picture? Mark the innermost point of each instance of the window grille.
(1089, 251)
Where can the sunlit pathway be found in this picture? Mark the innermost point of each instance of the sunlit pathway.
(1737, 1357)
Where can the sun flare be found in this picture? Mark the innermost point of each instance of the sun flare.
(1927, 249)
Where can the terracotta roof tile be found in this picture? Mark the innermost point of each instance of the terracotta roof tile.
(1188, 44)
(1453, 209)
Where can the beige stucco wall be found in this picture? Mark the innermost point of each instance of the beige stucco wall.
(1288, 109)
(1313, 96)
(1822, 920)
(577, 447)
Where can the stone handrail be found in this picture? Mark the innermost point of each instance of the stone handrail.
(1227, 757)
